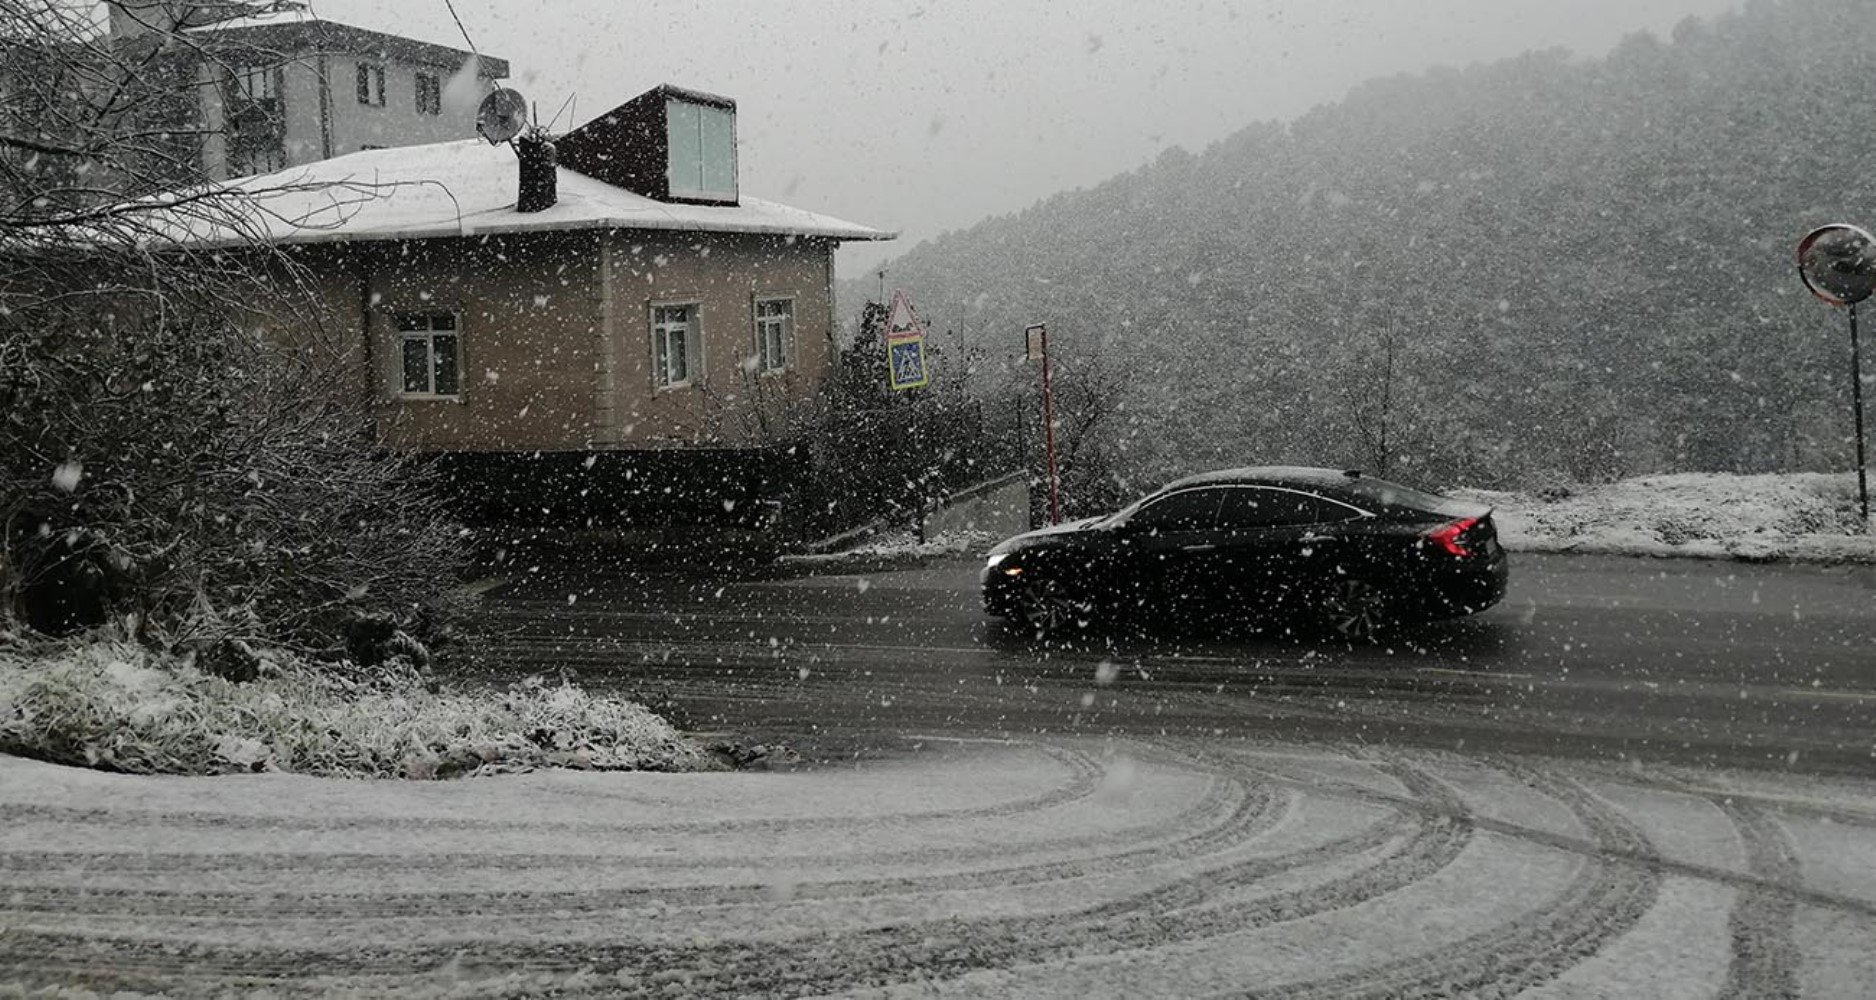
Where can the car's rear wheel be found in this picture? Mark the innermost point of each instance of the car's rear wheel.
(1050, 607)
(1353, 608)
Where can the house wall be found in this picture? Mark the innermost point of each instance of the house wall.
(397, 123)
(555, 336)
(304, 139)
(731, 403)
(313, 131)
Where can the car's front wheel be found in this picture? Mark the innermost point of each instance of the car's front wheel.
(1050, 607)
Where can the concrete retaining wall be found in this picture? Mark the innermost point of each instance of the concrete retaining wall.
(999, 507)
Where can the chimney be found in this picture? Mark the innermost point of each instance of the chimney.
(539, 183)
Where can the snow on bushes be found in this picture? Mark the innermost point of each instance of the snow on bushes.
(122, 708)
(1793, 516)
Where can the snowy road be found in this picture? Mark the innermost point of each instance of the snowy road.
(1709, 664)
(1633, 780)
(1071, 867)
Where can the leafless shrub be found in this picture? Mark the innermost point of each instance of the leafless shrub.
(162, 454)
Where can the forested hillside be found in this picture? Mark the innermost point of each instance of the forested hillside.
(1548, 266)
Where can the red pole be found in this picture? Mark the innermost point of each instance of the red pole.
(1048, 430)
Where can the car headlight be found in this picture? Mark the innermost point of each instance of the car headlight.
(998, 559)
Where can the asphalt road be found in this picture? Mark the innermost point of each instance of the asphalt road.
(1653, 661)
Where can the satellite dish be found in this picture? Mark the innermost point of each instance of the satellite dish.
(502, 116)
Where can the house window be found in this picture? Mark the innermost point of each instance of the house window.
(429, 94)
(674, 351)
(775, 333)
(257, 160)
(371, 84)
(702, 149)
(257, 83)
(431, 353)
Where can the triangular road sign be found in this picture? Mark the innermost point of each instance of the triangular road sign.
(901, 322)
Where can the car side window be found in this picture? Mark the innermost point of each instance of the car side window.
(1250, 508)
(1188, 510)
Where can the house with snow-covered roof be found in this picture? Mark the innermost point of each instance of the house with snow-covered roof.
(618, 324)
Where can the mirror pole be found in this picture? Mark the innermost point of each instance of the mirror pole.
(1856, 403)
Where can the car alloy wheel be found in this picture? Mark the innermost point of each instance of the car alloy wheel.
(1048, 607)
(1355, 608)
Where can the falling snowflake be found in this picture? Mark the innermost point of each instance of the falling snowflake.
(65, 478)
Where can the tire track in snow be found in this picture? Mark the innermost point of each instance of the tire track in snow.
(1603, 903)
(822, 961)
(1765, 957)
(1174, 913)
(1230, 813)
(1085, 776)
(1766, 803)
(1190, 875)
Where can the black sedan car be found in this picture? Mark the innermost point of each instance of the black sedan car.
(1346, 552)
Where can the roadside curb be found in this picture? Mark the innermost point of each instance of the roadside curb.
(1747, 558)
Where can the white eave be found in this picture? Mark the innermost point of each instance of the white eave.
(468, 188)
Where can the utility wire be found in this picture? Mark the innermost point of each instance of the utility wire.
(465, 34)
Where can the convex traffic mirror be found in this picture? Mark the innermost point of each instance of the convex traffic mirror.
(1838, 264)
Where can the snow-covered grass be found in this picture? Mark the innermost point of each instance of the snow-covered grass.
(120, 707)
(1794, 516)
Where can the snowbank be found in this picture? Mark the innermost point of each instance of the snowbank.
(905, 546)
(122, 708)
(1794, 516)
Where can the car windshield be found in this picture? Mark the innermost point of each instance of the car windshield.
(853, 498)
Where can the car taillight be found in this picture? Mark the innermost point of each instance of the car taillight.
(1447, 537)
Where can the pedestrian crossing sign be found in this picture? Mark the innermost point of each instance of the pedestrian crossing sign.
(905, 346)
(906, 363)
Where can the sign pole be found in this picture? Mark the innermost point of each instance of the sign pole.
(1048, 431)
(1856, 397)
(1838, 264)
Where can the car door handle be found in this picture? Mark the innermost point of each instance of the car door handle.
(1198, 548)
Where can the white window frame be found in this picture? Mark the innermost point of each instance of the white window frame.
(680, 187)
(660, 344)
(786, 334)
(427, 335)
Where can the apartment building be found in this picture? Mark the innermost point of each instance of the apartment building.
(281, 88)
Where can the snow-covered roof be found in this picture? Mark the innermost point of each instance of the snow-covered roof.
(467, 188)
(297, 30)
(288, 15)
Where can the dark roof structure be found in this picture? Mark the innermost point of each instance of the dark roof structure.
(297, 34)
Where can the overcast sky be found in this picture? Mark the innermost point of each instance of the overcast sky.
(929, 115)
